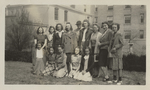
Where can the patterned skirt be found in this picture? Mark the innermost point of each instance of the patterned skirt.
(49, 69)
(116, 63)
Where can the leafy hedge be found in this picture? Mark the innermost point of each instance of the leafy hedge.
(23, 56)
(134, 63)
(130, 62)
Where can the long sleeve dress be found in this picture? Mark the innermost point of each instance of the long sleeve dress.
(61, 65)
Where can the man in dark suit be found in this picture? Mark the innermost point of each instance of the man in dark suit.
(85, 35)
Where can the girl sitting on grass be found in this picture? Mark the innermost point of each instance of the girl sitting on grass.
(50, 64)
(39, 64)
(86, 66)
(75, 63)
(60, 64)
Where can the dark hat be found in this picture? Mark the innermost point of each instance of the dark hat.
(78, 23)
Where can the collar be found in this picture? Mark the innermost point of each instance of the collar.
(86, 57)
(60, 31)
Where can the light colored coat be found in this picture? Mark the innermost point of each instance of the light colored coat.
(69, 41)
(96, 50)
(118, 44)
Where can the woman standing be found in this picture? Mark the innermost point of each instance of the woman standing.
(103, 44)
(50, 36)
(39, 38)
(94, 49)
(57, 37)
(69, 42)
(85, 35)
(115, 48)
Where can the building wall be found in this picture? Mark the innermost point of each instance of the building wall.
(44, 14)
(135, 26)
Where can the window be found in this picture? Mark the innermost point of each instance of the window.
(96, 8)
(96, 19)
(141, 34)
(65, 15)
(110, 19)
(127, 7)
(73, 6)
(127, 19)
(142, 6)
(142, 17)
(127, 34)
(84, 8)
(110, 7)
(56, 13)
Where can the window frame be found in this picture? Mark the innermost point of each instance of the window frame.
(110, 9)
(127, 32)
(56, 13)
(65, 15)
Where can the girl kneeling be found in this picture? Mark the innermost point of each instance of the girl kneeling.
(60, 64)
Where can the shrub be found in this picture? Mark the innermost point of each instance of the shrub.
(134, 63)
(23, 56)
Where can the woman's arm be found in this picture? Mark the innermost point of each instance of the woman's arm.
(45, 42)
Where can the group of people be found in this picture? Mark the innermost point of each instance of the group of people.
(79, 53)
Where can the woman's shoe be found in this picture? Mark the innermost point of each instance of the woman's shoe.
(119, 83)
(105, 79)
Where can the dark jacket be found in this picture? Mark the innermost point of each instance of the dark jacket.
(90, 64)
(87, 36)
(105, 40)
(57, 40)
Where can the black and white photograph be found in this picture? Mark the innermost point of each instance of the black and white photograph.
(59, 44)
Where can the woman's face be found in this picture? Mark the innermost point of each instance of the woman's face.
(77, 51)
(85, 24)
(40, 30)
(68, 27)
(51, 30)
(95, 28)
(105, 26)
(51, 50)
(114, 28)
(87, 51)
(59, 27)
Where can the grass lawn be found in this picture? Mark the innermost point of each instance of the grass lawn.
(20, 73)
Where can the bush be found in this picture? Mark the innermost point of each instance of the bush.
(134, 63)
(23, 56)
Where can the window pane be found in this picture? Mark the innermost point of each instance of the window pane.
(65, 15)
(56, 13)
(142, 17)
(127, 6)
(141, 34)
(127, 19)
(110, 7)
(127, 34)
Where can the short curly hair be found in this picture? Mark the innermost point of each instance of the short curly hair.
(60, 25)
(118, 25)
